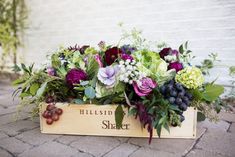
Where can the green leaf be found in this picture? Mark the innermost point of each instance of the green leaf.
(22, 95)
(16, 68)
(18, 81)
(232, 70)
(119, 114)
(132, 111)
(162, 120)
(33, 88)
(181, 49)
(92, 67)
(24, 68)
(166, 126)
(186, 45)
(62, 71)
(41, 89)
(197, 94)
(55, 61)
(90, 92)
(212, 92)
(159, 130)
(200, 116)
(175, 108)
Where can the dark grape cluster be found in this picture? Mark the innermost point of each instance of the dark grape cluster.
(177, 95)
(52, 113)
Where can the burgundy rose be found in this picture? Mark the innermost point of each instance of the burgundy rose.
(145, 87)
(168, 51)
(126, 56)
(74, 76)
(175, 65)
(112, 54)
(164, 52)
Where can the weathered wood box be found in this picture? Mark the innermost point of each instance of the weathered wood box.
(99, 120)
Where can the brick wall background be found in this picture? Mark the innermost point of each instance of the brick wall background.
(209, 25)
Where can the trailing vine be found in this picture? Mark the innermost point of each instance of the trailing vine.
(12, 25)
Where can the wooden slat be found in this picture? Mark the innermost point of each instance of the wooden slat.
(99, 120)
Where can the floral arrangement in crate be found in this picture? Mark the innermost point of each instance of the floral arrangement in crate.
(157, 87)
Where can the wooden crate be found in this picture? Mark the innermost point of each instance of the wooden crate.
(99, 120)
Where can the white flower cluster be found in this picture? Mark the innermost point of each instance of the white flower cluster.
(170, 58)
(129, 71)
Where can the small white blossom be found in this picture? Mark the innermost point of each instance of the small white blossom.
(121, 62)
(126, 80)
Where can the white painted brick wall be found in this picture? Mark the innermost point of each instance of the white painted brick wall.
(209, 25)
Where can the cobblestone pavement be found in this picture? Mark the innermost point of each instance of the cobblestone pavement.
(23, 138)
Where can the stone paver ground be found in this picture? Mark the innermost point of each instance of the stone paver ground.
(23, 138)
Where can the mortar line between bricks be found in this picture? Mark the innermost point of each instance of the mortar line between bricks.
(13, 155)
(134, 150)
(230, 123)
(79, 150)
(18, 132)
(112, 148)
(194, 144)
(150, 148)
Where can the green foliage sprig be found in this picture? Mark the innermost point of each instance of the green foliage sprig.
(13, 23)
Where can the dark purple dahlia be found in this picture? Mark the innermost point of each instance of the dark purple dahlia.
(164, 52)
(74, 76)
(112, 54)
(168, 51)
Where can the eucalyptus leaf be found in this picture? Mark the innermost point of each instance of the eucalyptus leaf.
(83, 83)
(78, 101)
(90, 92)
(119, 114)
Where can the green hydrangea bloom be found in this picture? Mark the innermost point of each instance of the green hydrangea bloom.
(190, 77)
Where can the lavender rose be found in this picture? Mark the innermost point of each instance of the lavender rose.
(108, 75)
(74, 76)
(145, 87)
(175, 65)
